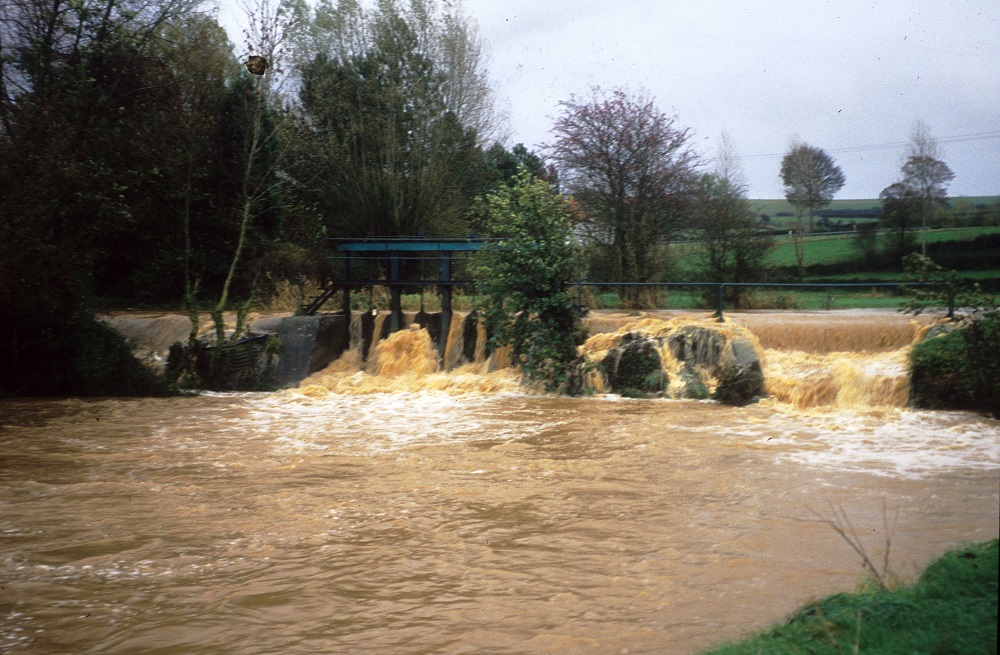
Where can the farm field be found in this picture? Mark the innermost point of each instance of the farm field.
(832, 249)
(803, 299)
(825, 249)
(773, 206)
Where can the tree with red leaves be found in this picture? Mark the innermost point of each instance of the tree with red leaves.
(630, 167)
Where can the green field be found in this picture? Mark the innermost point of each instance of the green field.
(836, 248)
(781, 214)
(807, 299)
(774, 206)
(832, 251)
(823, 249)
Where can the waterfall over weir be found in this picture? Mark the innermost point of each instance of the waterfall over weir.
(833, 359)
(841, 358)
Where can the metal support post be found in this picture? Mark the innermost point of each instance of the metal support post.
(445, 300)
(395, 291)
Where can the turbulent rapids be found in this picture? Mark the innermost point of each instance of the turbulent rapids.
(414, 498)
(408, 361)
(847, 360)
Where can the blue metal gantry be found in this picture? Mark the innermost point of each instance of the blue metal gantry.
(370, 262)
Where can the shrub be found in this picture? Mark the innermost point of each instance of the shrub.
(69, 353)
(523, 281)
(959, 370)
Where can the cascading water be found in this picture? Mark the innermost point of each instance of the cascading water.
(408, 361)
(846, 360)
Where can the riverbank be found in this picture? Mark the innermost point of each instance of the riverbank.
(952, 608)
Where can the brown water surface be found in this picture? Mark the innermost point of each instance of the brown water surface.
(445, 517)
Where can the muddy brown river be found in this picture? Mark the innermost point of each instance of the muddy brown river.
(436, 519)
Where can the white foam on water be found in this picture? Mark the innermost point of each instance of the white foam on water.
(901, 443)
(888, 441)
(380, 421)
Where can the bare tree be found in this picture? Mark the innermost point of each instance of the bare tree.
(729, 164)
(926, 175)
(630, 167)
(732, 248)
(265, 37)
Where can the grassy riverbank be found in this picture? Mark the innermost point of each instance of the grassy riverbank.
(952, 608)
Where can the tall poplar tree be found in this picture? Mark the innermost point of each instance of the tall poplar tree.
(926, 176)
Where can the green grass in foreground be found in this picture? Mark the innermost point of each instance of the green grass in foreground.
(952, 609)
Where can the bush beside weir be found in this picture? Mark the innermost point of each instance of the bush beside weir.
(959, 368)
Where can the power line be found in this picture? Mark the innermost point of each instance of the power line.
(896, 145)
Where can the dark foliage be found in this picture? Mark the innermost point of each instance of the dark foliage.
(523, 281)
(59, 349)
(959, 370)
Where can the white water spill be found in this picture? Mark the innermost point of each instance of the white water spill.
(900, 443)
(387, 421)
(888, 442)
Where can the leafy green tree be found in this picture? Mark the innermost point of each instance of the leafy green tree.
(811, 178)
(865, 240)
(523, 281)
(388, 144)
(901, 208)
(733, 249)
(81, 100)
(961, 369)
(504, 164)
(941, 289)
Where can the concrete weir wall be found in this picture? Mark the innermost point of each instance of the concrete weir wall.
(311, 343)
(308, 343)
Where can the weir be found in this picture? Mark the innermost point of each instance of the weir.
(809, 359)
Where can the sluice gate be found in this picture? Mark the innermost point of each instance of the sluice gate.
(398, 264)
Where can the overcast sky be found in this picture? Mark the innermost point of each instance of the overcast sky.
(847, 76)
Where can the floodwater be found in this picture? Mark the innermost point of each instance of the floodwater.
(463, 519)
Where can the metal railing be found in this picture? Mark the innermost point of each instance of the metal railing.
(720, 287)
(444, 254)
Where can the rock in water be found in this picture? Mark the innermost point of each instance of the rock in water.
(741, 378)
(635, 368)
(681, 358)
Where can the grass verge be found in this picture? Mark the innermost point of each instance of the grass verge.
(952, 608)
